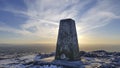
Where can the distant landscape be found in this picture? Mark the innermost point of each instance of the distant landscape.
(26, 49)
(48, 48)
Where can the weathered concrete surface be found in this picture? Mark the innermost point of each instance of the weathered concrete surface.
(67, 43)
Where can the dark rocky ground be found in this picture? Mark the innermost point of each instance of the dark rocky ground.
(93, 59)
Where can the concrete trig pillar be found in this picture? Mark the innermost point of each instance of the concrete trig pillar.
(67, 43)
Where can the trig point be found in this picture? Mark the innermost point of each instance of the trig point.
(67, 43)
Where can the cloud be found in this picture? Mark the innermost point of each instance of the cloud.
(100, 15)
(44, 15)
(4, 27)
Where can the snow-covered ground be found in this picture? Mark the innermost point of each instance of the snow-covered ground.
(94, 59)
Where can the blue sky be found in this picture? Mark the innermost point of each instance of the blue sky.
(37, 21)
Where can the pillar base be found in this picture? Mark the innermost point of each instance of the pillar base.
(69, 64)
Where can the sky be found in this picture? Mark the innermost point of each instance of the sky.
(37, 21)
